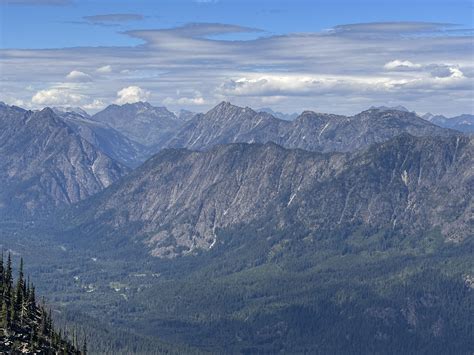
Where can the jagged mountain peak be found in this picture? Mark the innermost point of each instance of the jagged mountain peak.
(11, 108)
(141, 122)
(47, 111)
(70, 110)
(45, 116)
(225, 108)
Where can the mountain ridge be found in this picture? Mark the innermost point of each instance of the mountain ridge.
(46, 164)
(179, 198)
(140, 122)
(227, 123)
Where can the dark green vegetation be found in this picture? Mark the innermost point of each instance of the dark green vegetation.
(25, 325)
(261, 289)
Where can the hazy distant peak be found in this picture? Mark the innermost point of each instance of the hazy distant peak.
(139, 104)
(390, 108)
(69, 109)
(185, 115)
(141, 122)
(280, 115)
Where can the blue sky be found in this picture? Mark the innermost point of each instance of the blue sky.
(26, 25)
(60, 52)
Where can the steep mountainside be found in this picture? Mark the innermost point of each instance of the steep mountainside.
(179, 199)
(227, 123)
(141, 122)
(107, 139)
(312, 131)
(46, 164)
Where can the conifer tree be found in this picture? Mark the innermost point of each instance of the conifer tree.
(19, 294)
(28, 325)
(8, 283)
(4, 317)
(2, 272)
(32, 302)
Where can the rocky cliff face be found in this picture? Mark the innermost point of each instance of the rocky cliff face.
(107, 139)
(141, 122)
(312, 131)
(45, 163)
(179, 199)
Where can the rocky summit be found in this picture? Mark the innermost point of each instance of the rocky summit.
(141, 122)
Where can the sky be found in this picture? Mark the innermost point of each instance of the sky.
(336, 56)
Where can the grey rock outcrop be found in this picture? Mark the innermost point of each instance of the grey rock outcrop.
(45, 164)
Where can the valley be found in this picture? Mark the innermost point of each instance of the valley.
(247, 244)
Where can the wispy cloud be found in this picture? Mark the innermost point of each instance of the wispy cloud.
(344, 69)
(105, 69)
(113, 18)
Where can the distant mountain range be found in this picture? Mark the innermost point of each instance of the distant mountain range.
(312, 131)
(280, 115)
(89, 153)
(463, 123)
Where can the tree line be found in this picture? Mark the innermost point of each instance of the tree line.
(26, 325)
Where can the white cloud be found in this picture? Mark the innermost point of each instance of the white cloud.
(186, 101)
(79, 76)
(97, 104)
(401, 65)
(132, 94)
(343, 70)
(104, 69)
(56, 96)
(456, 73)
(276, 85)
